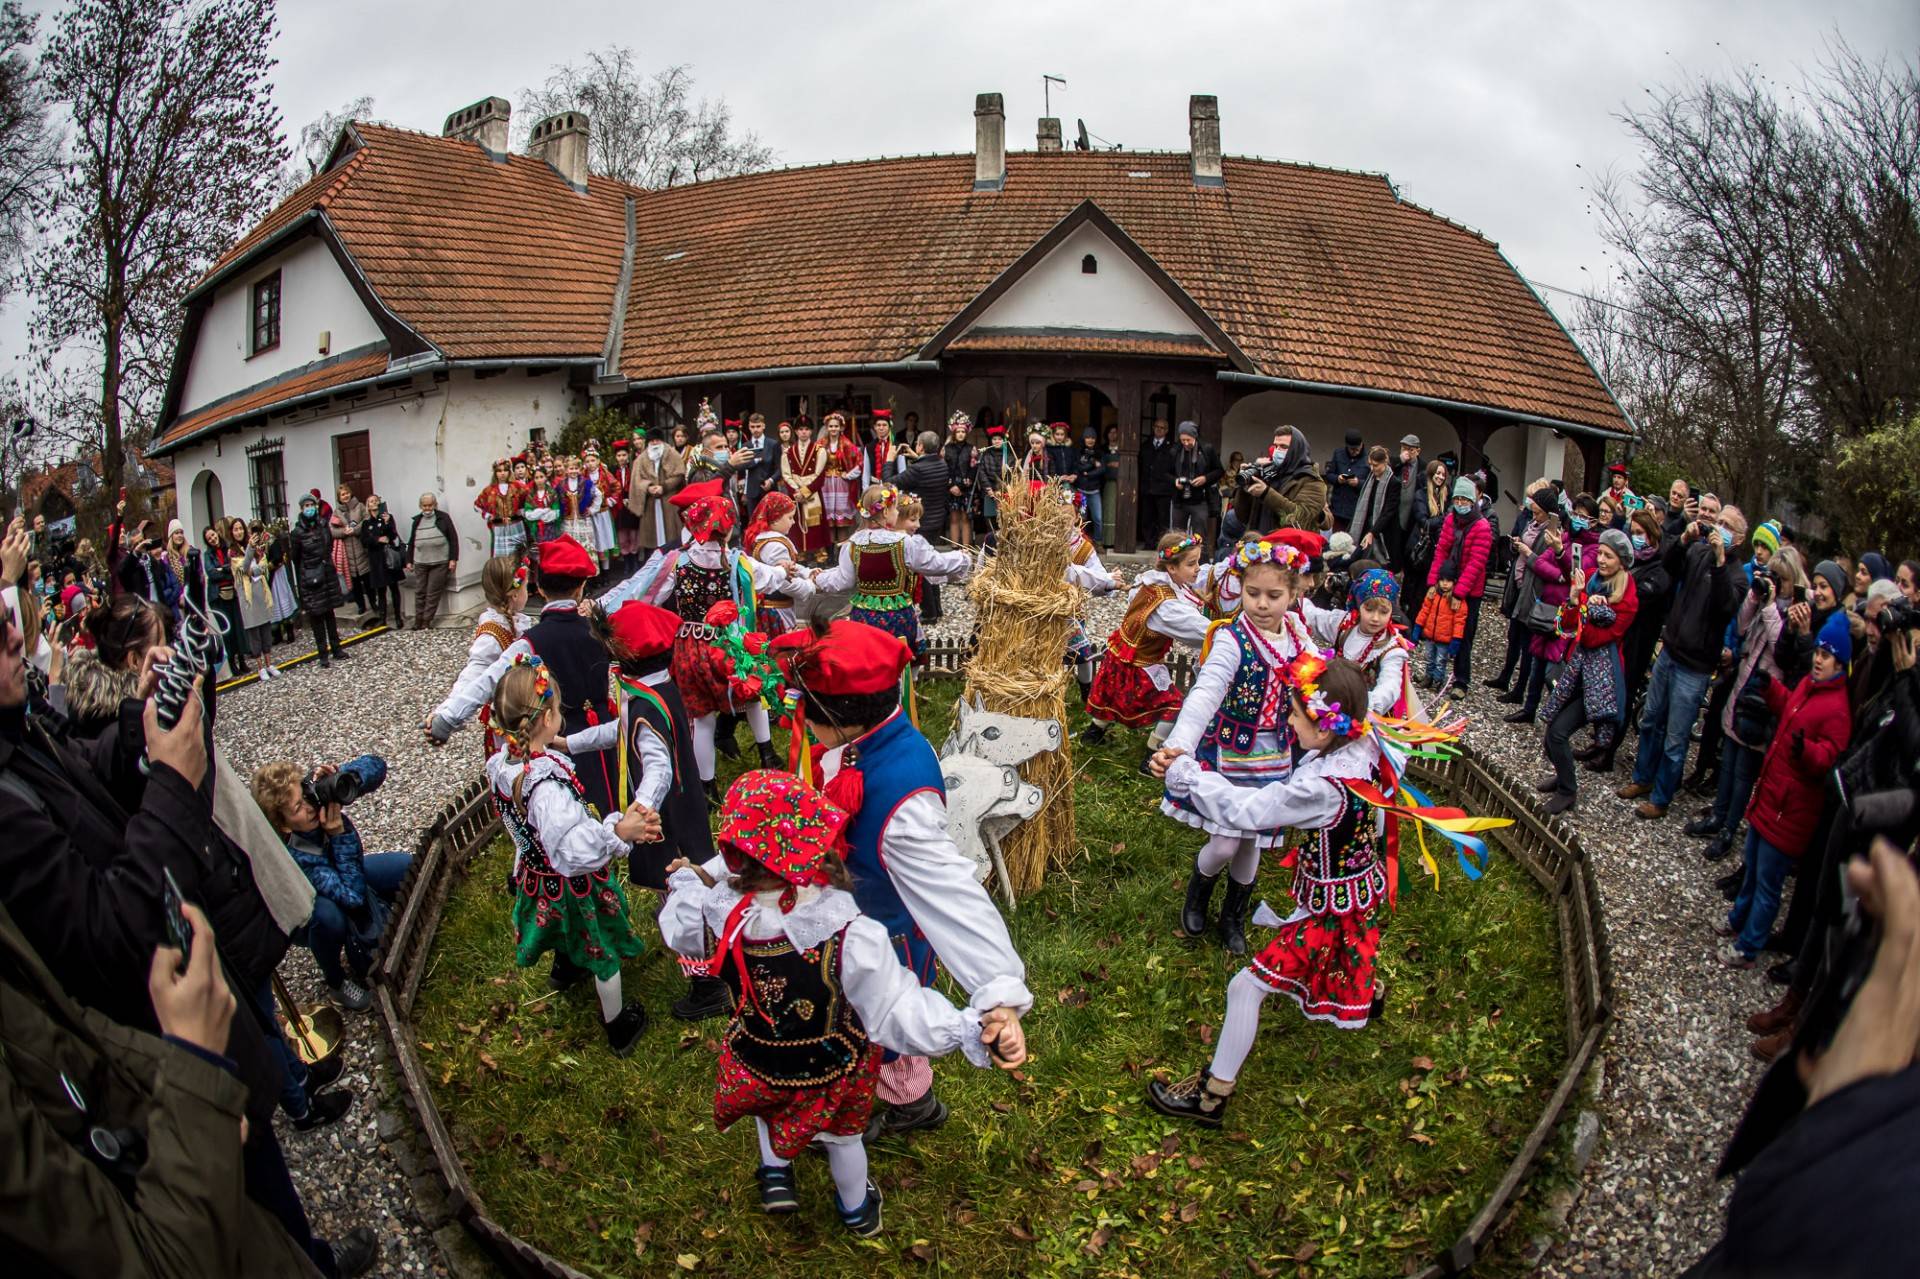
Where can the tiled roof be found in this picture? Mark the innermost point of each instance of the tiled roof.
(1317, 275)
(1083, 344)
(293, 385)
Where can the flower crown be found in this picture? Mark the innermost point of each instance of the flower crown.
(1251, 554)
(1303, 676)
(1172, 554)
(880, 503)
(542, 690)
(959, 417)
(520, 573)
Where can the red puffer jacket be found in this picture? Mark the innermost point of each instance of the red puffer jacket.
(1473, 555)
(1816, 723)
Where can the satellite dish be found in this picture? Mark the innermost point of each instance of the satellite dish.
(1080, 142)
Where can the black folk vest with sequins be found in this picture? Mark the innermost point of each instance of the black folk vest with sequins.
(795, 1028)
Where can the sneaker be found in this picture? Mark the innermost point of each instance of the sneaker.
(777, 1192)
(623, 1032)
(1724, 929)
(356, 1252)
(863, 1221)
(1198, 1098)
(1732, 957)
(350, 995)
(324, 1109)
(706, 997)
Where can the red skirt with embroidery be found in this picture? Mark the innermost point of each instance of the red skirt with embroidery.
(795, 1116)
(1325, 964)
(700, 672)
(1123, 693)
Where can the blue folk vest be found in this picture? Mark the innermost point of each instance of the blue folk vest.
(895, 761)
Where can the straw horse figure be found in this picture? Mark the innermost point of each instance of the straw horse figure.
(986, 798)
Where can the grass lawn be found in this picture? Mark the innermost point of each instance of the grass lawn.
(1345, 1153)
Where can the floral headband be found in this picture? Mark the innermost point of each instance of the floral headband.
(1303, 676)
(880, 503)
(1374, 584)
(1251, 554)
(1191, 542)
(959, 417)
(542, 689)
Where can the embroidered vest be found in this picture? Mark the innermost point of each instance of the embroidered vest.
(1339, 871)
(1133, 642)
(792, 1029)
(895, 762)
(697, 589)
(1254, 702)
(881, 579)
(535, 876)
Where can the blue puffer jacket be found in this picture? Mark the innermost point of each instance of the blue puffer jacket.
(333, 864)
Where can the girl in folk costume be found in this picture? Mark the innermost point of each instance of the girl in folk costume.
(1366, 636)
(819, 992)
(840, 484)
(880, 459)
(1085, 571)
(576, 506)
(803, 465)
(704, 573)
(1322, 957)
(769, 539)
(991, 467)
(503, 582)
(1235, 721)
(540, 511)
(1134, 686)
(883, 567)
(606, 499)
(626, 524)
(499, 505)
(564, 900)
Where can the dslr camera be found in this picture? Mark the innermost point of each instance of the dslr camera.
(358, 776)
(1898, 615)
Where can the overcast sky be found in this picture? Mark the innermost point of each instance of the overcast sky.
(1494, 114)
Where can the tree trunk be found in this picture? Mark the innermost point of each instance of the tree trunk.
(112, 464)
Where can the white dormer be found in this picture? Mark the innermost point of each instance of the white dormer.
(1087, 282)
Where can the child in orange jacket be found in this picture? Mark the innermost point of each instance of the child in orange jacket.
(1442, 621)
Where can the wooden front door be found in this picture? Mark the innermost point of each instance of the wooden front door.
(353, 463)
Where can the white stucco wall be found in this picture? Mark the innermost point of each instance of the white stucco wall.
(1057, 294)
(314, 296)
(433, 437)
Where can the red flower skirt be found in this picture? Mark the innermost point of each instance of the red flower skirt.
(700, 672)
(1123, 693)
(795, 1116)
(1325, 964)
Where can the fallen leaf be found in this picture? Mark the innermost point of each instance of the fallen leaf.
(493, 1139)
(1099, 1240)
(1120, 847)
(1074, 996)
(1003, 1107)
(1170, 1144)
(1423, 1063)
(1239, 1137)
(965, 1217)
(642, 1236)
(1457, 1076)
(1305, 1251)
(919, 1250)
(1020, 1232)
(1420, 1138)
(1086, 1186)
(1144, 1164)
(687, 1261)
(1190, 1210)
(486, 1060)
(1196, 1163)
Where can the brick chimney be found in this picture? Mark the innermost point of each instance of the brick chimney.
(1203, 140)
(989, 142)
(484, 122)
(1049, 133)
(561, 140)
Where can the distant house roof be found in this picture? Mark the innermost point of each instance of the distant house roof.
(1318, 276)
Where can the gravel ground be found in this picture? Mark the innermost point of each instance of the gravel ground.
(1674, 1074)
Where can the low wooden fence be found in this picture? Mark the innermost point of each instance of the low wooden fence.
(1547, 849)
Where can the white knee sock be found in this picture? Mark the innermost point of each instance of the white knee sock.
(1246, 862)
(847, 1156)
(1216, 853)
(767, 1156)
(703, 745)
(1245, 994)
(757, 721)
(1158, 736)
(609, 992)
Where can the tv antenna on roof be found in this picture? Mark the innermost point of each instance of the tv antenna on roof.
(1046, 89)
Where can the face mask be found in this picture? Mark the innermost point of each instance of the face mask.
(1463, 508)
(1279, 455)
(1581, 523)
(1639, 541)
(308, 512)
(1726, 538)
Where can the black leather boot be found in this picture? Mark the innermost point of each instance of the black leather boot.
(1233, 916)
(1199, 1098)
(1193, 915)
(723, 736)
(770, 758)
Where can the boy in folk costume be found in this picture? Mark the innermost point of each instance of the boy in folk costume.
(769, 539)
(499, 505)
(564, 900)
(883, 565)
(503, 581)
(576, 506)
(880, 460)
(803, 465)
(908, 875)
(1235, 722)
(840, 484)
(1322, 957)
(606, 498)
(1085, 571)
(704, 573)
(1134, 686)
(820, 993)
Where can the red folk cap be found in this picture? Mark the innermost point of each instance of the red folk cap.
(1309, 544)
(642, 630)
(564, 557)
(851, 657)
(705, 508)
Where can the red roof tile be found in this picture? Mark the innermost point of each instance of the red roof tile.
(1083, 343)
(273, 393)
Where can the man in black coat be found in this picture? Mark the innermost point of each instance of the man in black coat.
(1344, 473)
(1156, 483)
(763, 471)
(1196, 482)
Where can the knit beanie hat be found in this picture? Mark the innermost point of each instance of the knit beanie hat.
(1187, 428)
(1464, 487)
(1835, 575)
(1836, 636)
(1768, 535)
(1619, 543)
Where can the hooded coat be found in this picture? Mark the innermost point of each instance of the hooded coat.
(1816, 723)
(311, 545)
(1296, 498)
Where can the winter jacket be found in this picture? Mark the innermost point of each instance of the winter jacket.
(334, 864)
(372, 529)
(345, 527)
(1471, 583)
(1343, 497)
(1203, 464)
(1655, 590)
(184, 1211)
(1816, 723)
(1597, 634)
(1093, 469)
(1759, 626)
(1297, 498)
(1705, 598)
(310, 544)
(1442, 619)
(445, 523)
(927, 479)
(961, 461)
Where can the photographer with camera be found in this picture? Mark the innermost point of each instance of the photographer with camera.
(1284, 487)
(144, 572)
(352, 891)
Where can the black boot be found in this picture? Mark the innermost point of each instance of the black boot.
(566, 974)
(714, 794)
(1193, 915)
(1233, 916)
(1721, 848)
(1093, 734)
(723, 740)
(1729, 884)
(909, 1116)
(1602, 760)
(706, 997)
(1086, 686)
(770, 758)
(1199, 1098)
(623, 1032)
(1702, 826)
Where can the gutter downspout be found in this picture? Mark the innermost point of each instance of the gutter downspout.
(617, 321)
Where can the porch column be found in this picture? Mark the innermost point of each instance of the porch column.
(1593, 460)
(1126, 520)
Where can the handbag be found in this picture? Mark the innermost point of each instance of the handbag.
(396, 559)
(1541, 616)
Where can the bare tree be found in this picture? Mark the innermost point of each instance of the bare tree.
(646, 131)
(316, 143)
(27, 151)
(175, 145)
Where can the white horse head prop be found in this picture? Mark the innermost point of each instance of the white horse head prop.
(986, 797)
(999, 738)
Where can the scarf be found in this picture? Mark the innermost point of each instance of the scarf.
(1373, 496)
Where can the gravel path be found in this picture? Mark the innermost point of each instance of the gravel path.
(1674, 1073)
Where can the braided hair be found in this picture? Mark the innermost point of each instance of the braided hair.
(520, 701)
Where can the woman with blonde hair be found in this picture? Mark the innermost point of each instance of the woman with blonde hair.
(1591, 690)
